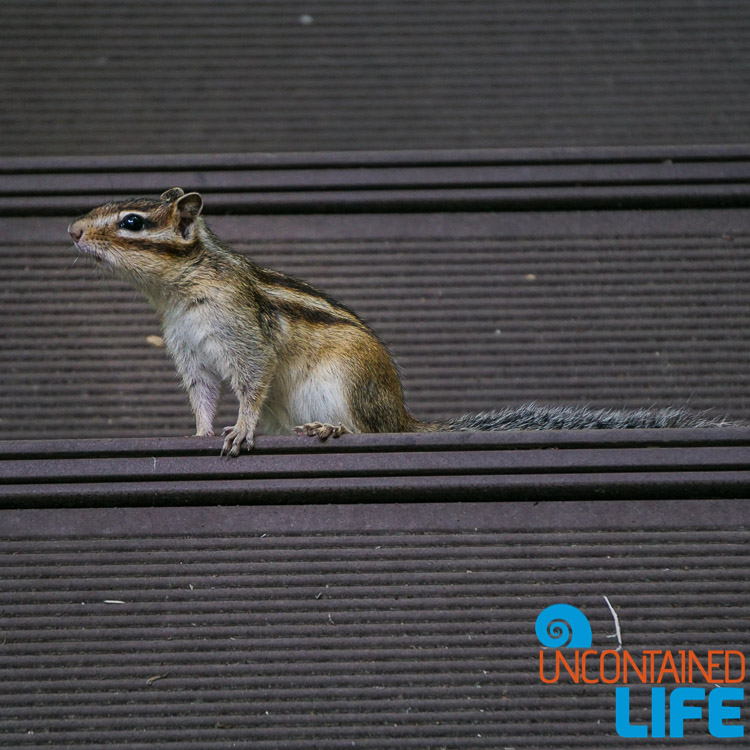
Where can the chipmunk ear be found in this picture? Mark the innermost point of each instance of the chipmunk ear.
(172, 194)
(187, 210)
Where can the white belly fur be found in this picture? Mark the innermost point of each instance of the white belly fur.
(299, 397)
(190, 336)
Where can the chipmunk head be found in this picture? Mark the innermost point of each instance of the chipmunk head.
(142, 239)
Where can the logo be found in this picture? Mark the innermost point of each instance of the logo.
(563, 626)
(567, 656)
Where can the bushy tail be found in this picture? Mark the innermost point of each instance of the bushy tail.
(539, 417)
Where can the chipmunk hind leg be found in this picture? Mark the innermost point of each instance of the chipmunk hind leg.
(319, 405)
(356, 388)
(376, 397)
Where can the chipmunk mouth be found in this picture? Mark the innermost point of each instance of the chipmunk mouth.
(89, 252)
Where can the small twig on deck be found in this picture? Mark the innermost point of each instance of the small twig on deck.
(618, 633)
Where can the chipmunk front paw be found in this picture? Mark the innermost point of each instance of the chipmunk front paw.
(322, 429)
(234, 436)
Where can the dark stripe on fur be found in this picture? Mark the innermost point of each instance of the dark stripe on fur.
(281, 280)
(296, 311)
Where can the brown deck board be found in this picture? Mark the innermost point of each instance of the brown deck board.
(403, 624)
(378, 591)
(91, 78)
(612, 293)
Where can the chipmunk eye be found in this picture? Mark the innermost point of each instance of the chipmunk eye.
(133, 222)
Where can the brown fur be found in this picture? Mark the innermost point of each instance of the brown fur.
(287, 350)
(266, 325)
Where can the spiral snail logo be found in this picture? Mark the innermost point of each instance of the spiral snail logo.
(563, 626)
(676, 678)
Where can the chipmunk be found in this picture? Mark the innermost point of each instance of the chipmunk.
(296, 359)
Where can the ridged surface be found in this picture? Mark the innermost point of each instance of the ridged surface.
(545, 465)
(481, 309)
(467, 179)
(229, 76)
(221, 627)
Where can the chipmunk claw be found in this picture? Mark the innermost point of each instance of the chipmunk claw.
(234, 436)
(322, 430)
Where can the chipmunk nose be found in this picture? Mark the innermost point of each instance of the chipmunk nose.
(75, 230)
